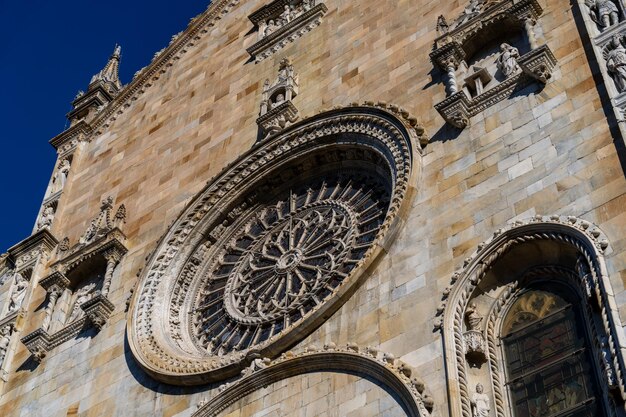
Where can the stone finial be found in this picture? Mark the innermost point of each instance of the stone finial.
(110, 73)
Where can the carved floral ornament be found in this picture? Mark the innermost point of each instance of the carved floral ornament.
(273, 246)
(382, 368)
(464, 329)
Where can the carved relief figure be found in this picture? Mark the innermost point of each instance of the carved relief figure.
(480, 403)
(603, 12)
(18, 293)
(473, 318)
(507, 61)
(288, 15)
(84, 295)
(616, 63)
(5, 338)
(46, 218)
(60, 176)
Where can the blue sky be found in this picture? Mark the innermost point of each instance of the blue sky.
(50, 51)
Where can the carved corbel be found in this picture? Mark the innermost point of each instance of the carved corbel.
(98, 310)
(538, 63)
(38, 344)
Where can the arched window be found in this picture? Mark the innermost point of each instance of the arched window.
(549, 366)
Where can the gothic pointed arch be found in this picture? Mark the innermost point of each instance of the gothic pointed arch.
(499, 290)
(273, 246)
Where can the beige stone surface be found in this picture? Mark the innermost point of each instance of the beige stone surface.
(540, 152)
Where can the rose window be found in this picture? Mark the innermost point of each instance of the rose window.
(283, 259)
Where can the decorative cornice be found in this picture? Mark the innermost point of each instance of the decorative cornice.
(114, 240)
(382, 368)
(27, 251)
(69, 139)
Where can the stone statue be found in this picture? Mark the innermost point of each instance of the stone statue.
(473, 318)
(60, 176)
(616, 63)
(46, 218)
(507, 61)
(84, 295)
(603, 12)
(442, 25)
(280, 99)
(308, 4)
(18, 293)
(480, 403)
(286, 15)
(5, 337)
(271, 28)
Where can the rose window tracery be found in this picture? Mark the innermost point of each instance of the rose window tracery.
(284, 259)
(275, 244)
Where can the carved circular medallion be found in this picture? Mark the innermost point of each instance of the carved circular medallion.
(269, 250)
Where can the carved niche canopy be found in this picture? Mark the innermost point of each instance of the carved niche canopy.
(79, 286)
(272, 247)
(277, 110)
(282, 22)
(481, 23)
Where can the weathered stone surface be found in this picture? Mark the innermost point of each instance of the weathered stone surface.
(542, 150)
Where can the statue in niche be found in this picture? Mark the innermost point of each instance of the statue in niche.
(287, 15)
(5, 338)
(603, 12)
(18, 293)
(473, 318)
(507, 61)
(616, 63)
(60, 176)
(84, 295)
(46, 218)
(271, 28)
(480, 402)
(280, 98)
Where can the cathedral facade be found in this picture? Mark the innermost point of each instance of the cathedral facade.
(336, 208)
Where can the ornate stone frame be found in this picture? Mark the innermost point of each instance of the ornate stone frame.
(589, 242)
(381, 368)
(452, 48)
(97, 310)
(396, 137)
(295, 29)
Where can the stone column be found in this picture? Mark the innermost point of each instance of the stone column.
(529, 24)
(452, 85)
(112, 258)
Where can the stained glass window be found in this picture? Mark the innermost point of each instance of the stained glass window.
(550, 371)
